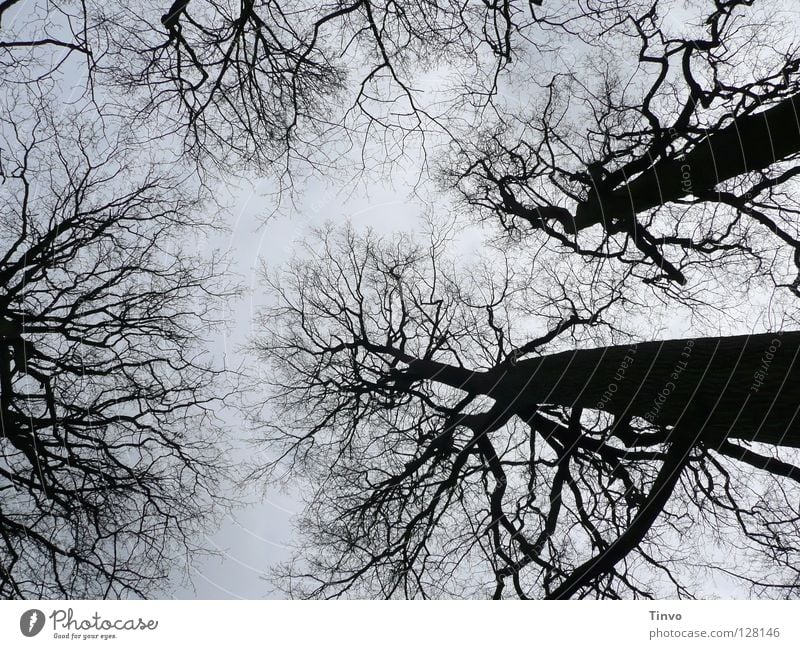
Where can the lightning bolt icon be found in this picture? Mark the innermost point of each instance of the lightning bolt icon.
(32, 621)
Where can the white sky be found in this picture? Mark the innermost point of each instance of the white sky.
(255, 537)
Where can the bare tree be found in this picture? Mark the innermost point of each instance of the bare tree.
(446, 451)
(264, 84)
(267, 82)
(463, 433)
(670, 144)
(659, 135)
(112, 462)
(639, 146)
(109, 457)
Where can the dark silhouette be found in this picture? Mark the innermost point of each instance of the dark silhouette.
(171, 19)
(631, 157)
(447, 458)
(736, 387)
(109, 457)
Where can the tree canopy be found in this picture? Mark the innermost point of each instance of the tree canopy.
(448, 454)
(503, 428)
(452, 416)
(111, 453)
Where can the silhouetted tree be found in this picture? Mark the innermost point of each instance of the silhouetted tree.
(651, 141)
(669, 143)
(109, 456)
(447, 452)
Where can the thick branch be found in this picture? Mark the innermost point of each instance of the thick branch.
(749, 143)
(653, 505)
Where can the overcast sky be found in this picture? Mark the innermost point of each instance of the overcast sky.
(255, 536)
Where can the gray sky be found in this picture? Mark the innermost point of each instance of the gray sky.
(255, 536)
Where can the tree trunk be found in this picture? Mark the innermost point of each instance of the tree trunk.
(738, 387)
(750, 143)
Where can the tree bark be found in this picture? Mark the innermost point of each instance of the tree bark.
(749, 143)
(738, 387)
